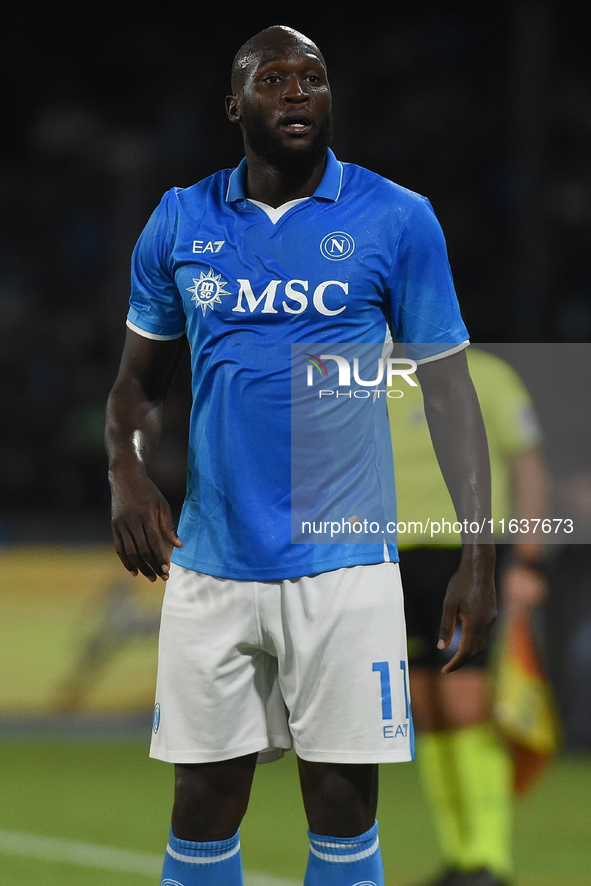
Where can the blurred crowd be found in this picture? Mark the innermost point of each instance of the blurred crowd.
(485, 109)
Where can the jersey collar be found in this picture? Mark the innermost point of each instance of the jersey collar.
(328, 189)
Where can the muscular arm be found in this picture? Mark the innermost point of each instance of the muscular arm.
(457, 431)
(141, 518)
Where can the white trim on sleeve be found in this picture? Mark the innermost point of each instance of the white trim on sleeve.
(153, 335)
(441, 354)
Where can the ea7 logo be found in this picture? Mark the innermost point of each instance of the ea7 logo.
(202, 246)
(337, 246)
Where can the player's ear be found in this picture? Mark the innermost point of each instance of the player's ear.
(233, 108)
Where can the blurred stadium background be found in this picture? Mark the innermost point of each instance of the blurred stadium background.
(486, 109)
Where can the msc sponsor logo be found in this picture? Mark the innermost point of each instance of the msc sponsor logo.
(207, 290)
(337, 246)
(278, 296)
(297, 296)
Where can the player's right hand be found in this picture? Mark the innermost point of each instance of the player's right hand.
(143, 527)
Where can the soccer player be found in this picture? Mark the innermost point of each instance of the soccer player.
(267, 644)
(464, 764)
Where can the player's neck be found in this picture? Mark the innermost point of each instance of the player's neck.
(274, 186)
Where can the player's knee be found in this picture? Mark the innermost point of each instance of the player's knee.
(340, 798)
(210, 800)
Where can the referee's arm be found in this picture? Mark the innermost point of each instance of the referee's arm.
(142, 523)
(459, 439)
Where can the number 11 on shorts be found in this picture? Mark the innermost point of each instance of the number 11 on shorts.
(383, 668)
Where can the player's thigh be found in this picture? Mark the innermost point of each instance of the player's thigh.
(213, 680)
(343, 666)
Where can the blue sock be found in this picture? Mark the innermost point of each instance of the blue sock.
(345, 861)
(216, 863)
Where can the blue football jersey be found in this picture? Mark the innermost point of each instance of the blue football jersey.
(258, 293)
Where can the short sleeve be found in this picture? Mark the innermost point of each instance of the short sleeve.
(424, 305)
(156, 307)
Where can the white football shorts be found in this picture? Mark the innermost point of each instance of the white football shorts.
(316, 663)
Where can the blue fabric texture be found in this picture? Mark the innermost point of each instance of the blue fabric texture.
(360, 259)
(345, 861)
(215, 863)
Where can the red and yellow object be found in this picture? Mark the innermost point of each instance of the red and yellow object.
(524, 708)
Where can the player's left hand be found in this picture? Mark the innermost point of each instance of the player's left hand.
(471, 598)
